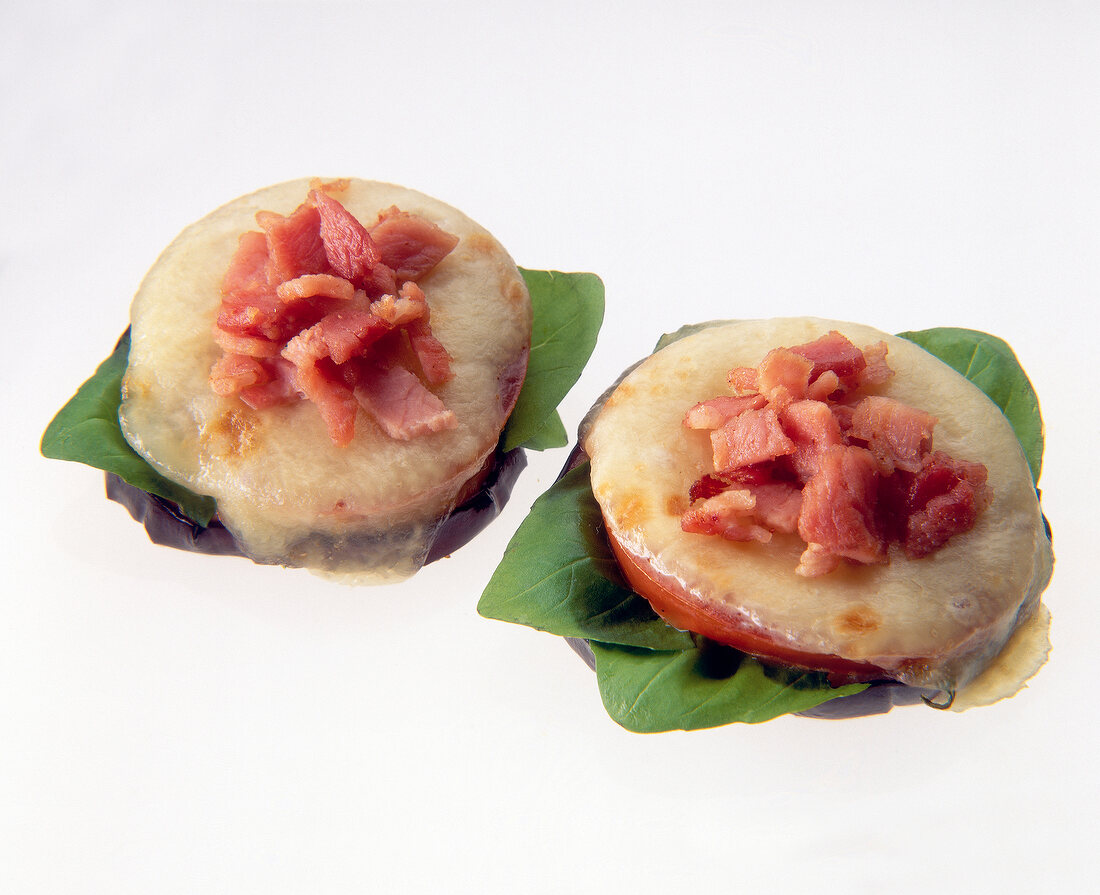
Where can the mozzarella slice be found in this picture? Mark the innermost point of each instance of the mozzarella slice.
(366, 511)
(934, 622)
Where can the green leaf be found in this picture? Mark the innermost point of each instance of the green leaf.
(647, 691)
(991, 365)
(568, 312)
(86, 430)
(551, 435)
(558, 575)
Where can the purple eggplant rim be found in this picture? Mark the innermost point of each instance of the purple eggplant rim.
(167, 525)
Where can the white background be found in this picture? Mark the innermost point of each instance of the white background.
(173, 723)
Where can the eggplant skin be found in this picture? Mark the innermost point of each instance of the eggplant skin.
(167, 525)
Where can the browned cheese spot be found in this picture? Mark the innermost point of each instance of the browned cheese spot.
(631, 511)
(481, 244)
(857, 620)
(676, 505)
(233, 434)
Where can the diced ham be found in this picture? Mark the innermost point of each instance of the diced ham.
(311, 309)
(838, 508)
(233, 372)
(348, 333)
(799, 448)
(334, 400)
(435, 361)
(348, 247)
(898, 435)
(314, 284)
(877, 370)
(293, 242)
(253, 346)
(783, 375)
(728, 515)
(778, 506)
(401, 405)
(813, 429)
(281, 389)
(743, 380)
(833, 351)
(716, 412)
(751, 437)
(409, 244)
(247, 271)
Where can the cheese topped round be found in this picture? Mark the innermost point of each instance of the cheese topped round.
(932, 622)
(367, 509)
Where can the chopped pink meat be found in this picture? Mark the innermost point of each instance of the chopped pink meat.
(783, 375)
(401, 405)
(254, 346)
(850, 478)
(314, 284)
(751, 437)
(434, 358)
(247, 271)
(778, 506)
(293, 243)
(833, 351)
(334, 399)
(281, 389)
(409, 244)
(716, 412)
(233, 372)
(311, 309)
(838, 507)
(877, 370)
(743, 380)
(813, 429)
(944, 499)
(348, 246)
(898, 435)
(728, 515)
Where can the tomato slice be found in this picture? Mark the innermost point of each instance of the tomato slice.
(688, 613)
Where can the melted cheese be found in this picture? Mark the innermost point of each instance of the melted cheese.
(364, 512)
(935, 622)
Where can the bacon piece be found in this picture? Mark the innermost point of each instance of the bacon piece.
(253, 346)
(233, 372)
(247, 271)
(348, 333)
(751, 437)
(347, 245)
(783, 376)
(743, 380)
(728, 515)
(409, 244)
(716, 412)
(778, 506)
(833, 351)
(401, 405)
(334, 399)
(877, 370)
(707, 486)
(294, 243)
(281, 389)
(838, 510)
(813, 429)
(944, 499)
(315, 284)
(825, 384)
(898, 435)
(434, 359)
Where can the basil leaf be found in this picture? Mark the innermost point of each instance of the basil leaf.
(647, 691)
(558, 575)
(551, 435)
(991, 365)
(86, 430)
(568, 312)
